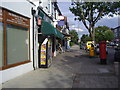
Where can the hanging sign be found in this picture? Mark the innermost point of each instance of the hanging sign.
(61, 17)
(61, 23)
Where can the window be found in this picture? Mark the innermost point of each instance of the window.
(17, 44)
(14, 39)
(1, 44)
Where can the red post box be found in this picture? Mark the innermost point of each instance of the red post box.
(102, 48)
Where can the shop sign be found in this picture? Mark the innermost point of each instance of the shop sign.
(61, 17)
(16, 19)
(61, 23)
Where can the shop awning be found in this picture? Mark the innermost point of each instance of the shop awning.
(49, 29)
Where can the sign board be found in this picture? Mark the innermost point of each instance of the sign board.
(61, 23)
(61, 17)
(10, 17)
(16, 19)
(43, 52)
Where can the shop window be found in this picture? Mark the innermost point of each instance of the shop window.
(17, 44)
(1, 44)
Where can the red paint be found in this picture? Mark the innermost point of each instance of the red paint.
(102, 47)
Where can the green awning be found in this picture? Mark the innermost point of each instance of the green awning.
(59, 34)
(41, 14)
(49, 29)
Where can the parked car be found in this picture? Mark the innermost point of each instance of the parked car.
(88, 45)
(97, 50)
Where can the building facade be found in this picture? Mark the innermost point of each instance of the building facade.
(22, 39)
(15, 40)
(116, 32)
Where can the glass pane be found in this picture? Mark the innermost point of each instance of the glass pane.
(17, 44)
(1, 44)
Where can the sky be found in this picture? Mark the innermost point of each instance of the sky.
(111, 22)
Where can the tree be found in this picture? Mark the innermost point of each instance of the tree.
(91, 12)
(75, 38)
(85, 38)
(103, 33)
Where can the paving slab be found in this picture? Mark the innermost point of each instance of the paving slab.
(72, 69)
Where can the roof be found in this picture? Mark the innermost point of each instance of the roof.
(115, 28)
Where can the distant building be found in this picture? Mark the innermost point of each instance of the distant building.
(116, 32)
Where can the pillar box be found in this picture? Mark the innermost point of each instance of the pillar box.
(102, 48)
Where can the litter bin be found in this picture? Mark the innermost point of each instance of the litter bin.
(103, 56)
(91, 52)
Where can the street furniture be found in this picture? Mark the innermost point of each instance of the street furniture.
(91, 51)
(103, 55)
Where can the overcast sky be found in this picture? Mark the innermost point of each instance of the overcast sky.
(111, 22)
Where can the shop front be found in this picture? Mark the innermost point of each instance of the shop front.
(14, 44)
(47, 35)
(14, 33)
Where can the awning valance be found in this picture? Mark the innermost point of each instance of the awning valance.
(49, 29)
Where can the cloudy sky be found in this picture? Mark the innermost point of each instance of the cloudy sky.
(107, 21)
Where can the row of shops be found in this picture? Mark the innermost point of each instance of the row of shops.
(29, 38)
(51, 40)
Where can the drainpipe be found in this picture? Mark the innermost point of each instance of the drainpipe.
(33, 14)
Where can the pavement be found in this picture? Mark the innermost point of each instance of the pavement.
(72, 69)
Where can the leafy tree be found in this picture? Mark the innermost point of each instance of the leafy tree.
(109, 35)
(91, 12)
(103, 33)
(75, 38)
(85, 38)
